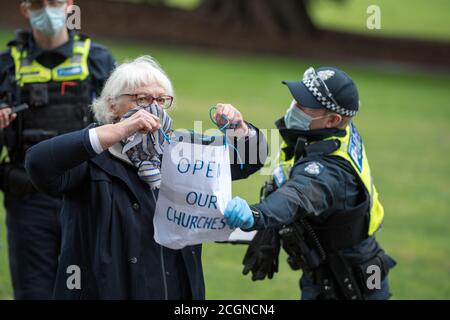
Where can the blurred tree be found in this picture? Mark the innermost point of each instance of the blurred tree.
(272, 16)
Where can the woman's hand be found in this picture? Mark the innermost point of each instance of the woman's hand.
(142, 122)
(227, 111)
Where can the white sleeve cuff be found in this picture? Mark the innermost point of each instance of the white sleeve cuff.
(95, 142)
(251, 132)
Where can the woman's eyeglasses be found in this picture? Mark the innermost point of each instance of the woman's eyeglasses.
(144, 100)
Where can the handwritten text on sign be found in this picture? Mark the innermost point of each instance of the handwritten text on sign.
(211, 169)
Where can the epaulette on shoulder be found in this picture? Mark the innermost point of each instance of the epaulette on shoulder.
(21, 38)
(81, 36)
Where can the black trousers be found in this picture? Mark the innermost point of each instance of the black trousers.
(34, 241)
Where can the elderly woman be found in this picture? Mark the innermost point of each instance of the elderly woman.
(108, 250)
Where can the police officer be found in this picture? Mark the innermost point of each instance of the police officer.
(57, 73)
(321, 204)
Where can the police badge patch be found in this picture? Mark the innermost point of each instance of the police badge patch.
(355, 148)
(69, 71)
(313, 168)
(279, 176)
(325, 74)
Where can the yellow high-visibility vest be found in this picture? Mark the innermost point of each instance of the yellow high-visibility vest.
(352, 150)
(74, 68)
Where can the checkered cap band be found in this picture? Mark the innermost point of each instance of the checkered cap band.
(325, 101)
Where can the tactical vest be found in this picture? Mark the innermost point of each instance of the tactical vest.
(343, 230)
(58, 98)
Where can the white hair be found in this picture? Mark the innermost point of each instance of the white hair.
(126, 78)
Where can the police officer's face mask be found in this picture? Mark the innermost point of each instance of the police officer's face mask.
(296, 119)
(48, 20)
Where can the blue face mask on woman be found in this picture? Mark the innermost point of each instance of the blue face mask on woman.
(48, 20)
(296, 119)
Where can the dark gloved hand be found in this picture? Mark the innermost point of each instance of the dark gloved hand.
(261, 257)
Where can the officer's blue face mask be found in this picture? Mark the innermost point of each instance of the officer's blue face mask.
(48, 20)
(296, 119)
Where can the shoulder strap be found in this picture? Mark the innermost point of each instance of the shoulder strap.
(20, 38)
(316, 150)
(322, 147)
(80, 37)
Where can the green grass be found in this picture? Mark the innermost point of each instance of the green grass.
(411, 18)
(405, 121)
(424, 19)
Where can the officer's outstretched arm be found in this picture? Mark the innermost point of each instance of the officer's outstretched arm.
(307, 191)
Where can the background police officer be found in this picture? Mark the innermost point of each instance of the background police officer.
(56, 72)
(321, 201)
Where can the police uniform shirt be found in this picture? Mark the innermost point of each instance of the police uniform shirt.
(100, 62)
(318, 186)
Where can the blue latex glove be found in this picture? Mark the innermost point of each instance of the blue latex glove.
(238, 214)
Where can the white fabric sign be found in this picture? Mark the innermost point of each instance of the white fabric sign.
(195, 189)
